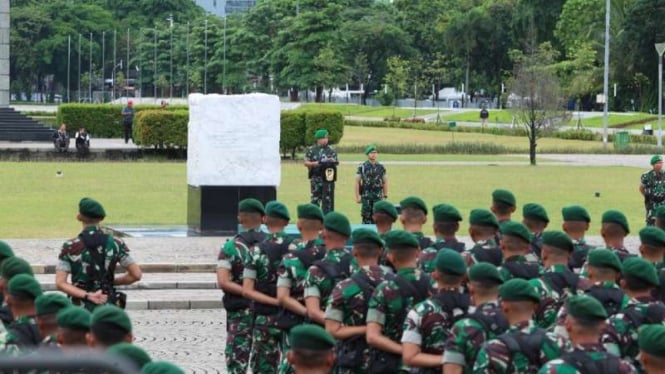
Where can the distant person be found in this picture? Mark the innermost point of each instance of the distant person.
(163, 104)
(128, 120)
(371, 184)
(484, 115)
(652, 187)
(61, 139)
(82, 139)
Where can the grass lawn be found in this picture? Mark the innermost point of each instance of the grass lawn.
(431, 157)
(615, 119)
(40, 205)
(365, 111)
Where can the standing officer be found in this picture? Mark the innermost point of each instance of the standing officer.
(371, 184)
(651, 340)
(652, 187)
(322, 184)
(128, 120)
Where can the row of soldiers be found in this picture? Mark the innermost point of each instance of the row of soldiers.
(396, 301)
(35, 322)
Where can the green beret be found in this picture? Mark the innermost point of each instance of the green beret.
(559, 240)
(277, 210)
(639, 268)
(130, 352)
(5, 250)
(586, 308)
(321, 133)
(111, 314)
(575, 213)
(517, 230)
(483, 217)
(310, 211)
(651, 339)
(518, 289)
(485, 272)
(91, 208)
(161, 367)
(74, 317)
(24, 285)
(338, 223)
(386, 207)
(251, 206)
(14, 266)
(51, 303)
(370, 148)
(311, 337)
(536, 212)
(446, 213)
(414, 202)
(504, 196)
(450, 262)
(652, 235)
(604, 258)
(614, 216)
(400, 239)
(363, 235)
(656, 159)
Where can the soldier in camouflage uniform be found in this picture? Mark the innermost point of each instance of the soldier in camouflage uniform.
(413, 217)
(652, 249)
(517, 261)
(384, 216)
(484, 322)
(91, 259)
(312, 349)
(614, 229)
(536, 220)
(651, 341)
(483, 231)
(314, 156)
(73, 326)
(446, 224)
(230, 267)
(46, 308)
(392, 299)
(22, 334)
(503, 206)
(525, 347)
(576, 221)
(638, 279)
(584, 323)
(260, 286)
(427, 324)
(347, 307)
(652, 187)
(10, 267)
(371, 184)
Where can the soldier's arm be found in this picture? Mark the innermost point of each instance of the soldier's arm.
(454, 358)
(285, 300)
(339, 331)
(313, 296)
(413, 356)
(225, 283)
(132, 274)
(334, 317)
(376, 339)
(356, 188)
(385, 186)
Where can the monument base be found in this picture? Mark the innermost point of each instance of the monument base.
(213, 210)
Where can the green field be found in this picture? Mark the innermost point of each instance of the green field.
(374, 112)
(434, 157)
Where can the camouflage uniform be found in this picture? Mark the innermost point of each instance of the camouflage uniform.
(552, 298)
(520, 267)
(427, 256)
(371, 177)
(596, 353)
(22, 336)
(318, 195)
(75, 259)
(423, 241)
(483, 251)
(347, 305)
(495, 357)
(654, 193)
(536, 245)
(579, 256)
(318, 283)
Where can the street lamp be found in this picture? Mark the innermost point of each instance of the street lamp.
(606, 73)
(113, 78)
(660, 48)
(170, 19)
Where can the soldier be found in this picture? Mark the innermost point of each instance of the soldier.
(336, 265)
(371, 184)
(413, 216)
(109, 325)
(23, 334)
(392, 299)
(427, 324)
(384, 216)
(536, 220)
(311, 349)
(503, 206)
(230, 266)
(651, 340)
(11, 267)
(638, 279)
(614, 229)
(652, 187)
(130, 353)
(47, 307)
(91, 258)
(652, 249)
(314, 156)
(73, 326)
(517, 261)
(347, 307)
(557, 282)
(575, 224)
(524, 347)
(446, 224)
(584, 323)
(483, 231)
(485, 320)
(260, 285)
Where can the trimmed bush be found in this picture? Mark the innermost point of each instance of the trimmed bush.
(161, 128)
(333, 122)
(292, 132)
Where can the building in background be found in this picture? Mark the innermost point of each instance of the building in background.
(221, 8)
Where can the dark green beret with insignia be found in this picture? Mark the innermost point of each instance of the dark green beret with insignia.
(363, 235)
(338, 223)
(614, 216)
(516, 229)
(652, 235)
(277, 210)
(450, 262)
(386, 207)
(604, 258)
(639, 268)
(51, 303)
(111, 315)
(651, 339)
(446, 213)
(485, 272)
(91, 208)
(586, 308)
(161, 367)
(370, 148)
(310, 211)
(5, 251)
(504, 196)
(311, 337)
(414, 202)
(656, 159)
(251, 206)
(14, 266)
(130, 352)
(575, 213)
(321, 133)
(74, 317)
(483, 217)
(400, 239)
(559, 240)
(24, 285)
(535, 212)
(518, 289)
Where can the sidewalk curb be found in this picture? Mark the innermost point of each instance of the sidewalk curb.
(146, 268)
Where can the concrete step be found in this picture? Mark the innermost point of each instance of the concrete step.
(173, 299)
(147, 268)
(154, 281)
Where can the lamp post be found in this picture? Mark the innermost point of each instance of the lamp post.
(660, 48)
(606, 73)
(170, 19)
(113, 79)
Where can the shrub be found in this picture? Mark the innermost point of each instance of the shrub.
(161, 128)
(333, 122)
(292, 132)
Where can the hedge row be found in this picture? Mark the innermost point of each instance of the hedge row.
(298, 128)
(161, 128)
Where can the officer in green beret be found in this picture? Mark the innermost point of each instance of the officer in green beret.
(651, 340)
(345, 313)
(518, 262)
(576, 222)
(322, 191)
(524, 347)
(10, 268)
(446, 224)
(5, 251)
(47, 307)
(535, 218)
(371, 184)
(312, 349)
(384, 215)
(230, 267)
(584, 324)
(428, 323)
(485, 320)
(130, 353)
(483, 230)
(73, 327)
(614, 229)
(652, 188)
(109, 325)
(413, 217)
(91, 258)
(161, 367)
(652, 249)
(22, 334)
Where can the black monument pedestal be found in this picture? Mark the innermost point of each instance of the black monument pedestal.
(213, 210)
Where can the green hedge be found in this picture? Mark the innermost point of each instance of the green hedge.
(333, 122)
(292, 132)
(161, 128)
(298, 128)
